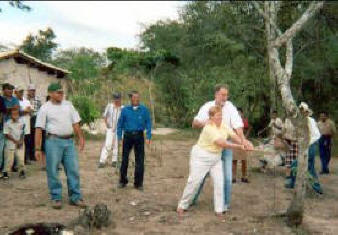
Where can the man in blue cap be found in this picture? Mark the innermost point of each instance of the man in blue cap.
(60, 120)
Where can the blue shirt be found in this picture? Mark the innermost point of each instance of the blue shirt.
(134, 120)
(10, 103)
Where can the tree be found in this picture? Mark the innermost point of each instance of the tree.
(41, 45)
(85, 65)
(282, 75)
(18, 4)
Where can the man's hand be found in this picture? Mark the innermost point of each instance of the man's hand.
(38, 155)
(19, 143)
(148, 141)
(248, 145)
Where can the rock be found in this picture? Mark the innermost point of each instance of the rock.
(79, 230)
(133, 203)
(131, 219)
(147, 213)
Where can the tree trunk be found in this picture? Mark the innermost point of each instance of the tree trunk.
(282, 76)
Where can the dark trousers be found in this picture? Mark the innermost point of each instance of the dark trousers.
(32, 139)
(133, 140)
(325, 152)
(27, 140)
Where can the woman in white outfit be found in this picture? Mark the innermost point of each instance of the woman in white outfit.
(206, 157)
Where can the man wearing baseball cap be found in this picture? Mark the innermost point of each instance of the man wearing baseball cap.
(60, 120)
(111, 116)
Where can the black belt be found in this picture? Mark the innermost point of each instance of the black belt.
(133, 132)
(49, 135)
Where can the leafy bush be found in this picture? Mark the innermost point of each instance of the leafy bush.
(86, 108)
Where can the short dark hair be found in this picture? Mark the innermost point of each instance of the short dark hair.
(240, 109)
(7, 86)
(218, 87)
(134, 92)
(274, 111)
(13, 110)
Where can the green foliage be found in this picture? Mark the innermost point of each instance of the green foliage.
(18, 4)
(224, 42)
(40, 46)
(87, 108)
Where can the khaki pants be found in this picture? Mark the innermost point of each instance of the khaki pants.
(9, 158)
(201, 163)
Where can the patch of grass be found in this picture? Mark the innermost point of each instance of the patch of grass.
(98, 137)
(182, 134)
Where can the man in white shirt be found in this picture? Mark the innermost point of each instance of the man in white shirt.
(314, 135)
(60, 120)
(232, 119)
(111, 116)
(25, 110)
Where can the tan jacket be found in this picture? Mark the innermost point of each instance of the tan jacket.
(327, 128)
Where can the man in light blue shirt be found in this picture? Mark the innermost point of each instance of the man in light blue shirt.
(134, 119)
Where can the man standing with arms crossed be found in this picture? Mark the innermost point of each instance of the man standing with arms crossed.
(111, 116)
(232, 119)
(134, 119)
(60, 120)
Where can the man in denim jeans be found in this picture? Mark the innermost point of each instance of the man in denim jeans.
(233, 120)
(2, 137)
(60, 120)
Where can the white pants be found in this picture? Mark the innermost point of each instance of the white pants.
(202, 162)
(110, 144)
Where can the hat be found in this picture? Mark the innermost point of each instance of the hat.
(305, 108)
(7, 86)
(55, 87)
(117, 96)
(19, 88)
(31, 87)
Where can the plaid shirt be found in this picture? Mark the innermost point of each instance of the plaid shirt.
(36, 104)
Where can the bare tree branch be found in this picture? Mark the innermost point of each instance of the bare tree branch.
(293, 30)
(289, 59)
(267, 18)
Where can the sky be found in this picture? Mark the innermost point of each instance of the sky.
(92, 24)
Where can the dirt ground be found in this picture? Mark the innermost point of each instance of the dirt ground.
(153, 211)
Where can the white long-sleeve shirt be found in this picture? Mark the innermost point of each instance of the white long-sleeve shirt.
(230, 115)
(314, 131)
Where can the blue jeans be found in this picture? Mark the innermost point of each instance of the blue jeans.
(2, 145)
(62, 151)
(311, 161)
(325, 152)
(227, 168)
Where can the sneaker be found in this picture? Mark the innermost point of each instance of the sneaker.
(288, 183)
(101, 165)
(56, 204)
(4, 176)
(114, 164)
(140, 188)
(245, 180)
(80, 203)
(22, 175)
(121, 185)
